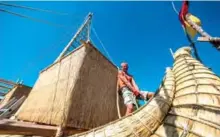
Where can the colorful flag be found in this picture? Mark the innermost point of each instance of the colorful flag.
(187, 27)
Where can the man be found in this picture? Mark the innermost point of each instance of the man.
(129, 89)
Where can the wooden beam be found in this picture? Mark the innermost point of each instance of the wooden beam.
(13, 127)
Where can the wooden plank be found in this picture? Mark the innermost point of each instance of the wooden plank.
(25, 128)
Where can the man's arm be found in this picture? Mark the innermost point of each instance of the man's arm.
(134, 84)
(127, 83)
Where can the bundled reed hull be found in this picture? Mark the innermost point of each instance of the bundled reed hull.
(17, 92)
(78, 91)
(195, 110)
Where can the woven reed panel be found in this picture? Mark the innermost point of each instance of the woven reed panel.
(45, 104)
(78, 91)
(94, 95)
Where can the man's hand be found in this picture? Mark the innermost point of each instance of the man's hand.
(136, 92)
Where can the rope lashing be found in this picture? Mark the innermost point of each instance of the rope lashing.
(31, 8)
(192, 44)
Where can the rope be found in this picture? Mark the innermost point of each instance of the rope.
(117, 100)
(34, 19)
(31, 8)
(174, 8)
(186, 127)
(93, 29)
(192, 44)
(141, 121)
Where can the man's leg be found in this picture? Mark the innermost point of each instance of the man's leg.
(129, 109)
(128, 100)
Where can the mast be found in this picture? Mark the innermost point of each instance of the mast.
(83, 33)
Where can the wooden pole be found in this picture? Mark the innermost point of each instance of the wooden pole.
(60, 132)
(171, 51)
(206, 39)
(202, 32)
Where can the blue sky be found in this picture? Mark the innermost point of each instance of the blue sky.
(140, 33)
